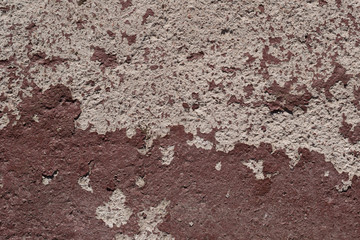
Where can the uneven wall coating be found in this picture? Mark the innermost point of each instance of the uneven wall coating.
(179, 119)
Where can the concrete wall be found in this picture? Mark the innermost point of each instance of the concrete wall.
(197, 119)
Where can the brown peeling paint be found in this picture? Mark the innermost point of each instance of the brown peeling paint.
(268, 58)
(346, 130)
(285, 101)
(30, 26)
(250, 59)
(148, 66)
(233, 99)
(81, 2)
(60, 209)
(356, 101)
(125, 4)
(105, 59)
(6, 62)
(338, 3)
(248, 89)
(275, 40)
(231, 204)
(3, 97)
(147, 14)
(195, 106)
(42, 59)
(205, 203)
(131, 39)
(229, 69)
(338, 75)
(5, 8)
(261, 8)
(322, 2)
(110, 33)
(213, 85)
(195, 56)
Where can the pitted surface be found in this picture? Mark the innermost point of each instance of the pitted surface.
(181, 84)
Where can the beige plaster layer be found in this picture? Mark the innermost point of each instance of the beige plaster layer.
(139, 95)
(114, 212)
(149, 219)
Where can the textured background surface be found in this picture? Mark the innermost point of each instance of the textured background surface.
(179, 119)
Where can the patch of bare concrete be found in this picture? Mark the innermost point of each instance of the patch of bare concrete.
(149, 219)
(169, 64)
(84, 183)
(168, 155)
(114, 212)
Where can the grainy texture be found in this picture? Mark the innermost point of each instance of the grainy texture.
(179, 119)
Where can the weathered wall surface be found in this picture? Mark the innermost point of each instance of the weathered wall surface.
(203, 119)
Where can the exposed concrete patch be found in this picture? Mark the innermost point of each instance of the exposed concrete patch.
(316, 129)
(114, 212)
(4, 121)
(140, 182)
(46, 179)
(218, 166)
(200, 143)
(36, 118)
(345, 185)
(168, 155)
(130, 132)
(148, 221)
(84, 183)
(256, 167)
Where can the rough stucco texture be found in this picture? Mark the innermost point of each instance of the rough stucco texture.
(142, 119)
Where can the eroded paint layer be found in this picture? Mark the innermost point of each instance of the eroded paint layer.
(141, 119)
(190, 197)
(280, 72)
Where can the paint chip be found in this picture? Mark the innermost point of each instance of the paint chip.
(168, 155)
(115, 212)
